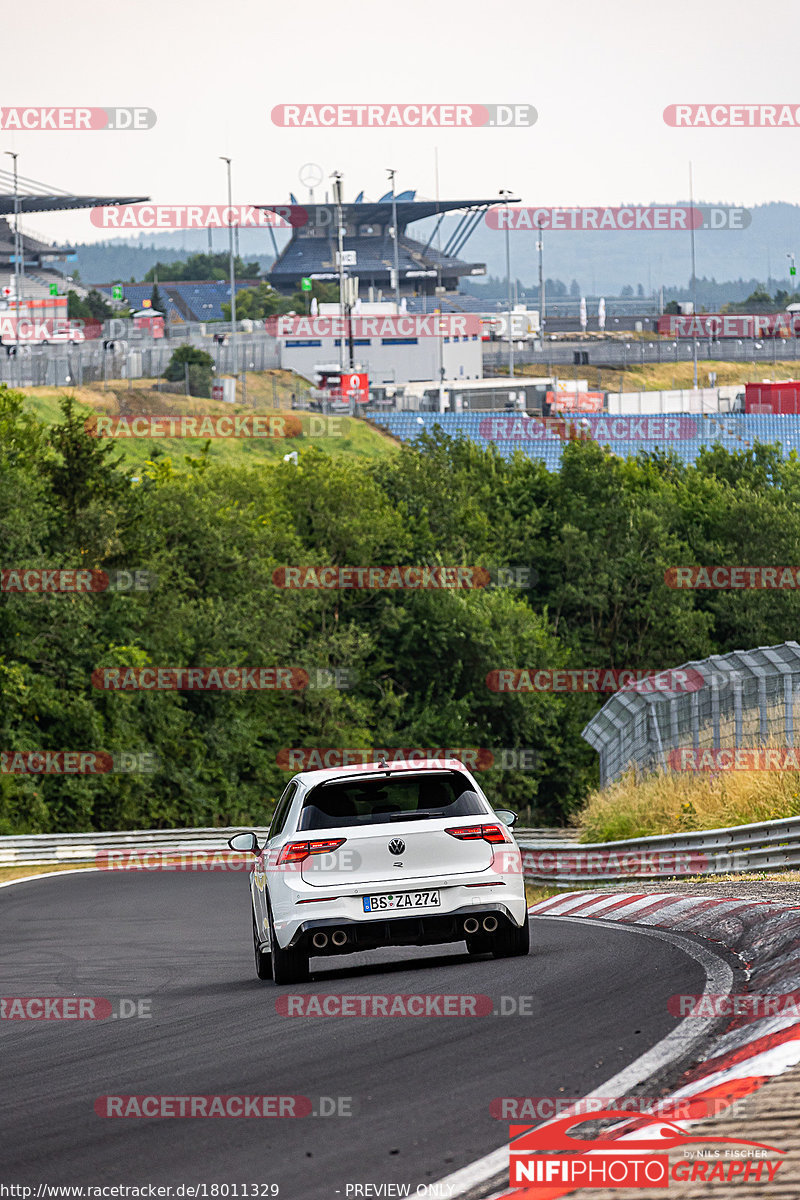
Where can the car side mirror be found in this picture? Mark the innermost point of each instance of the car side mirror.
(506, 815)
(245, 842)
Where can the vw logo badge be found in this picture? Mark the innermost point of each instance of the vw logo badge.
(396, 846)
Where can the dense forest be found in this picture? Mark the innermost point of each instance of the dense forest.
(596, 540)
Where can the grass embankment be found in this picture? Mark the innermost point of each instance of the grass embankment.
(22, 871)
(665, 376)
(335, 436)
(641, 806)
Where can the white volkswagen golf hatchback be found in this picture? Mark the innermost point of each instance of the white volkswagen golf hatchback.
(361, 857)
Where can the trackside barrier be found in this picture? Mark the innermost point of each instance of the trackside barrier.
(41, 849)
(766, 845)
(547, 854)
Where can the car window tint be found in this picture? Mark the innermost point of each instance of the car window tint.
(385, 798)
(282, 810)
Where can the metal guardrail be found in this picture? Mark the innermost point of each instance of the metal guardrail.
(766, 845)
(548, 855)
(42, 849)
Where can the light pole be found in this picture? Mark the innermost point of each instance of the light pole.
(694, 271)
(505, 193)
(234, 347)
(540, 248)
(18, 275)
(391, 175)
(343, 306)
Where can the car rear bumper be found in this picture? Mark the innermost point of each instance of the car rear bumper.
(423, 929)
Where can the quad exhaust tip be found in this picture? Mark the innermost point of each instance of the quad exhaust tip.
(339, 937)
(320, 940)
(471, 925)
(490, 924)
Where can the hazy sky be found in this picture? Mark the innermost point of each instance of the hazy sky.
(599, 74)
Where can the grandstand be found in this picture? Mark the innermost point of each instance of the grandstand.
(368, 242)
(24, 195)
(37, 257)
(737, 432)
(192, 300)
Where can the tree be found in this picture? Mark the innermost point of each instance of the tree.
(200, 267)
(157, 301)
(200, 369)
(575, 289)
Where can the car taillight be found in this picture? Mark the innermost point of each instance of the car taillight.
(478, 833)
(296, 852)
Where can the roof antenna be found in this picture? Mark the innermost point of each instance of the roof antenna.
(383, 763)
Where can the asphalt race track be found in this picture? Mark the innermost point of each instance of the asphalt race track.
(420, 1087)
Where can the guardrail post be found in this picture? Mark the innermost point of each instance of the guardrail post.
(762, 709)
(715, 709)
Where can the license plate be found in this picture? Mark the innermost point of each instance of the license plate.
(395, 900)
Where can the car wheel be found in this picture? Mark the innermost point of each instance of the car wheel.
(513, 943)
(288, 966)
(263, 958)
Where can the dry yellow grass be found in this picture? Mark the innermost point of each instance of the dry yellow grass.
(668, 375)
(20, 872)
(643, 805)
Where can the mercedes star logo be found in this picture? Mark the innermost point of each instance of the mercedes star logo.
(396, 846)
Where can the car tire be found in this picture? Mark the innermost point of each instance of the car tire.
(288, 966)
(513, 942)
(263, 958)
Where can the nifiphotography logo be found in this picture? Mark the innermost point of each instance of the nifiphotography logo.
(549, 1155)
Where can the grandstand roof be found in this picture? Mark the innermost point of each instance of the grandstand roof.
(34, 196)
(312, 249)
(407, 210)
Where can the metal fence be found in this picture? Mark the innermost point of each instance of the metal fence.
(767, 845)
(622, 355)
(74, 366)
(548, 855)
(80, 849)
(730, 701)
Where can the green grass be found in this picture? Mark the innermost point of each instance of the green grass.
(350, 437)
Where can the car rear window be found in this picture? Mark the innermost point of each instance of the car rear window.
(382, 799)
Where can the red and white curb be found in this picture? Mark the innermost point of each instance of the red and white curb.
(764, 936)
